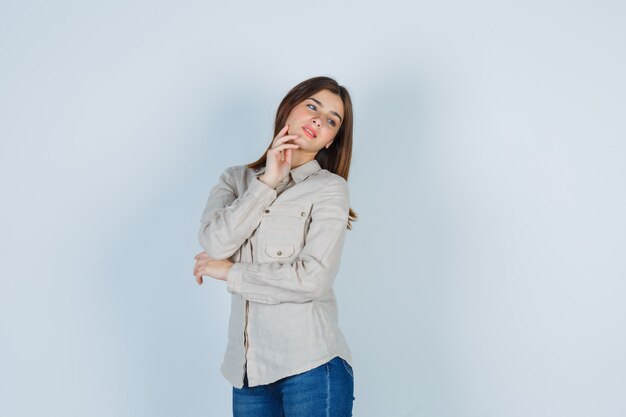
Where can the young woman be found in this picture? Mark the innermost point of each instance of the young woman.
(274, 230)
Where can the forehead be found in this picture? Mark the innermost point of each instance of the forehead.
(331, 101)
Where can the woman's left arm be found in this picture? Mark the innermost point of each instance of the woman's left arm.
(313, 272)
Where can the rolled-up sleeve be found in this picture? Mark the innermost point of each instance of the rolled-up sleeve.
(227, 220)
(313, 271)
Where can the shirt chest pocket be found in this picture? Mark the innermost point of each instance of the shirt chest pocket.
(282, 231)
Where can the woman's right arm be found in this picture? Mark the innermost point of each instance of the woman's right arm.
(227, 221)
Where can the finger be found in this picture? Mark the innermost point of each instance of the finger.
(279, 154)
(201, 254)
(201, 264)
(202, 258)
(284, 146)
(281, 132)
(283, 139)
(199, 279)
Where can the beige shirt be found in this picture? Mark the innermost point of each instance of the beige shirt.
(286, 245)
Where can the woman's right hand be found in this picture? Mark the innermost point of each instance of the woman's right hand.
(278, 160)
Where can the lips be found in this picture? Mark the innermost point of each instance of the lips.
(310, 132)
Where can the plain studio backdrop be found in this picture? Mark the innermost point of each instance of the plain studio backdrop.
(486, 275)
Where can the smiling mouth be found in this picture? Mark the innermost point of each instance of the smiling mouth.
(308, 133)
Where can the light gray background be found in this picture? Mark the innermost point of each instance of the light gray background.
(485, 276)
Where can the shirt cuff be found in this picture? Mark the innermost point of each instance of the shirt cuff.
(262, 191)
(234, 278)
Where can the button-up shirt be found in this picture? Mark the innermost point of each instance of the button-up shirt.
(286, 245)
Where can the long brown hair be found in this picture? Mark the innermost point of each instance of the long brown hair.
(336, 158)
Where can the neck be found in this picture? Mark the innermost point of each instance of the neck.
(299, 157)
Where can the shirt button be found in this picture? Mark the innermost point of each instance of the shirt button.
(279, 253)
(303, 214)
(267, 210)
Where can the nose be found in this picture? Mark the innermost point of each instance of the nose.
(316, 122)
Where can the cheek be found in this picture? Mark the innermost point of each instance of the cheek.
(297, 114)
(328, 136)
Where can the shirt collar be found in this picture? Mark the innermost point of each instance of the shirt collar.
(299, 173)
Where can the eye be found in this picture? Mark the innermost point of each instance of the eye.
(312, 107)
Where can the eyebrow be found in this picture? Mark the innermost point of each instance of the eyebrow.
(333, 112)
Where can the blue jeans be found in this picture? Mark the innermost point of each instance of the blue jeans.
(325, 391)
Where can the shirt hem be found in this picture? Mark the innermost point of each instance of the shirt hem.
(253, 382)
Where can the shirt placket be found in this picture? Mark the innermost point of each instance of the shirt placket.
(245, 336)
(246, 342)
